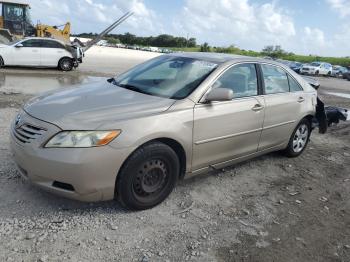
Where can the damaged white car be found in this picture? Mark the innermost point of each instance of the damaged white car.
(40, 52)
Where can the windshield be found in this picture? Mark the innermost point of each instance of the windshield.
(315, 64)
(13, 12)
(27, 15)
(166, 76)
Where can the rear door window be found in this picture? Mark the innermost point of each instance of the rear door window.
(275, 79)
(51, 44)
(294, 86)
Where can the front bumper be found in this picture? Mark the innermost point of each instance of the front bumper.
(308, 71)
(85, 174)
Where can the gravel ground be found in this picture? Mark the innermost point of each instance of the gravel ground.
(268, 209)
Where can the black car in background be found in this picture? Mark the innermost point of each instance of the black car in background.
(346, 75)
(296, 66)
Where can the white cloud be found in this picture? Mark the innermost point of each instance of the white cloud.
(235, 21)
(94, 15)
(247, 23)
(341, 6)
(313, 41)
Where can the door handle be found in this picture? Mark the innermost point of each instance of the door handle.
(257, 108)
(301, 99)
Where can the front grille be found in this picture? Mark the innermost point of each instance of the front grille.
(26, 133)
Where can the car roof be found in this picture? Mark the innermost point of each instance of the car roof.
(43, 38)
(220, 58)
(13, 2)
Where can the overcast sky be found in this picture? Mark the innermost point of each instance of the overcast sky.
(302, 26)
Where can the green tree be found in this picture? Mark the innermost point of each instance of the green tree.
(205, 47)
(274, 51)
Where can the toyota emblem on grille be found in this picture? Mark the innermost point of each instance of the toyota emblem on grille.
(18, 120)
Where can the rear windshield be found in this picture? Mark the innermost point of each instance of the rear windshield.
(167, 76)
(315, 64)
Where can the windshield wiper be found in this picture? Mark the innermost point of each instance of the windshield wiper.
(132, 88)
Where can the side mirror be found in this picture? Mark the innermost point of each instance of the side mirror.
(219, 94)
(19, 45)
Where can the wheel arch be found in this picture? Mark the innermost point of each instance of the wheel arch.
(172, 143)
(63, 57)
(309, 117)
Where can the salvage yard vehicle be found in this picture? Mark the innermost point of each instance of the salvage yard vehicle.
(339, 71)
(346, 75)
(133, 137)
(296, 66)
(40, 52)
(317, 68)
(16, 23)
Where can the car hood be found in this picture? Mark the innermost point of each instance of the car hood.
(89, 106)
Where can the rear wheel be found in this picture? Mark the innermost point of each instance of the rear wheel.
(148, 176)
(1, 62)
(66, 64)
(299, 139)
(317, 73)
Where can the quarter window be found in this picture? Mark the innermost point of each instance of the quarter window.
(275, 79)
(241, 79)
(293, 85)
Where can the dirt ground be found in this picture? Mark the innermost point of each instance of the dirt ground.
(268, 209)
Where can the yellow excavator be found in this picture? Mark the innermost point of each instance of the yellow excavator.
(15, 23)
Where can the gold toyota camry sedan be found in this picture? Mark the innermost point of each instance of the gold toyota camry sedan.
(134, 136)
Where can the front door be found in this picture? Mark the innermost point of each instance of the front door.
(230, 129)
(29, 54)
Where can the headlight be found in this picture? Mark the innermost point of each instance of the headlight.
(82, 138)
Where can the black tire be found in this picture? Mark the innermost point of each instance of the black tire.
(317, 73)
(292, 150)
(148, 176)
(1, 62)
(65, 64)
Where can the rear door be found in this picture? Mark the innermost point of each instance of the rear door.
(29, 54)
(283, 106)
(230, 129)
(52, 52)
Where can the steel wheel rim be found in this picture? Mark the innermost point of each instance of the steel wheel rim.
(300, 138)
(151, 179)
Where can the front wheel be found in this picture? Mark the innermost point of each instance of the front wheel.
(148, 176)
(299, 139)
(66, 64)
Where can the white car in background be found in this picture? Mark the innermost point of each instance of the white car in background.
(317, 68)
(40, 52)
